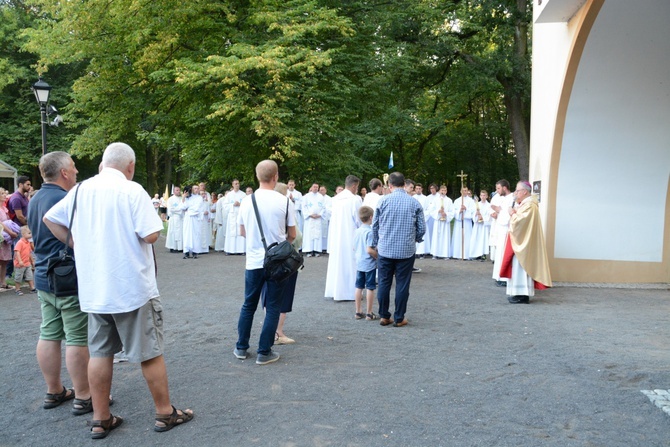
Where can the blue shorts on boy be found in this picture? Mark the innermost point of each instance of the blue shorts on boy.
(364, 262)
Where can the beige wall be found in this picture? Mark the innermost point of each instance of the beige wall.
(597, 139)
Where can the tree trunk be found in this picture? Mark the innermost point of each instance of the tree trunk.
(516, 108)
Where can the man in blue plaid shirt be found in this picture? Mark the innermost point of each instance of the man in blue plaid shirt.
(397, 226)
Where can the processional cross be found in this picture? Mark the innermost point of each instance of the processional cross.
(463, 176)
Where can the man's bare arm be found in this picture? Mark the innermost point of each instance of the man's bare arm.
(291, 234)
(153, 237)
(58, 230)
(20, 216)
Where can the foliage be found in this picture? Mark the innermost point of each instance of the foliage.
(203, 90)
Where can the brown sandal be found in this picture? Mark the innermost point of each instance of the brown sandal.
(52, 400)
(107, 426)
(172, 420)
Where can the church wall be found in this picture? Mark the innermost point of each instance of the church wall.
(601, 89)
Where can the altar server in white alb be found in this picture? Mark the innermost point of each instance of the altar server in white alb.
(422, 248)
(443, 214)
(500, 211)
(325, 217)
(341, 274)
(192, 228)
(464, 210)
(313, 208)
(296, 198)
(205, 222)
(175, 232)
(220, 220)
(234, 240)
(479, 241)
(428, 211)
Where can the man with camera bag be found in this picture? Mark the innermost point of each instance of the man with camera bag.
(272, 208)
(62, 318)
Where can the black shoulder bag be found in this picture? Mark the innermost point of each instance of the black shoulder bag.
(281, 259)
(61, 271)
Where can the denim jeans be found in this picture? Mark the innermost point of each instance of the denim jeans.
(253, 284)
(402, 268)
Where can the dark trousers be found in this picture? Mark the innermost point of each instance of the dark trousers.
(254, 280)
(402, 269)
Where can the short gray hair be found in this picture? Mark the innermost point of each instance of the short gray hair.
(281, 188)
(52, 163)
(118, 155)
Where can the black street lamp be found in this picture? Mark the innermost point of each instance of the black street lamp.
(41, 90)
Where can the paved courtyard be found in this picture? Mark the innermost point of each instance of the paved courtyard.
(469, 370)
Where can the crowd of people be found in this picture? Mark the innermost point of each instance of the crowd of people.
(371, 236)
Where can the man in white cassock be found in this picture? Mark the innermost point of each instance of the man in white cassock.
(442, 216)
(372, 198)
(296, 198)
(341, 274)
(464, 210)
(313, 208)
(234, 240)
(220, 220)
(175, 232)
(479, 241)
(422, 248)
(192, 227)
(205, 223)
(325, 217)
(500, 211)
(428, 211)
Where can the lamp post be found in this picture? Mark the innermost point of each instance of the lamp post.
(42, 90)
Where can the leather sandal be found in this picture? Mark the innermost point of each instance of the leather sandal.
(52, 400)
(107, 426)
(84, 406)
(172, 420)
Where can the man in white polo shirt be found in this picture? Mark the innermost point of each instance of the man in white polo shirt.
(277, 227)
(115, 225)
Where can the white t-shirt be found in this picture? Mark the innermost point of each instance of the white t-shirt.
(115, 267)
(272, 210)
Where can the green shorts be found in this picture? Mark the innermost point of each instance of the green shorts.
(139, 333)
(62, 319)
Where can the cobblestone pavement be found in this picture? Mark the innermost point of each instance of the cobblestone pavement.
(469, 369)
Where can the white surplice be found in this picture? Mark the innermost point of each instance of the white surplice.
(175, 232)
(441, 238)
(462, 227)
(325, 221)
(371, 200)
(501, 229)
(192, 227)
(296, 197)
(312, 239)
(341, 274)
(423, 248)
(479, 241)
(205, 226)
(234, 242)
(220, 222)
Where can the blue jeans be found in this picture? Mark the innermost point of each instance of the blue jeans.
(253, 284)
(402, 268)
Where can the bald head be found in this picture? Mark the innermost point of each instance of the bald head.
(266, 171)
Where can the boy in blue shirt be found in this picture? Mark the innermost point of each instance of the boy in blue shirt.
(366, 264)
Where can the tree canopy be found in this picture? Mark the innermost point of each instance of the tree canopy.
(203, 90)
